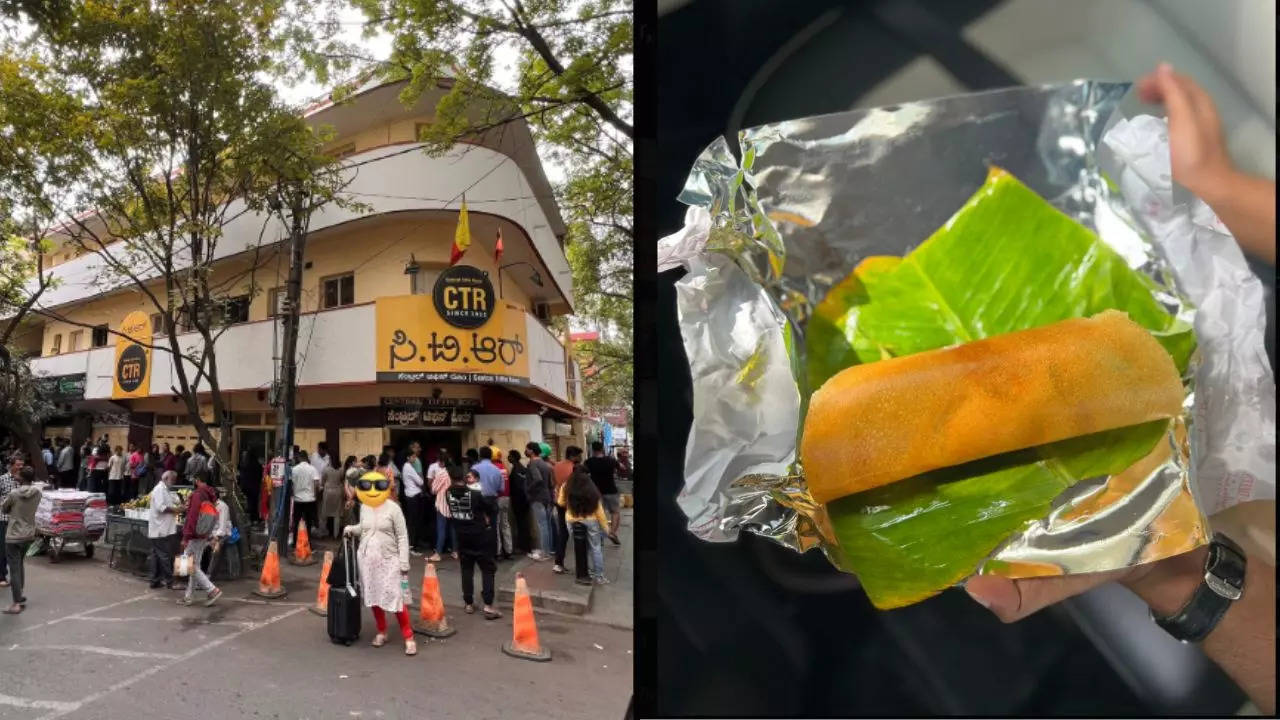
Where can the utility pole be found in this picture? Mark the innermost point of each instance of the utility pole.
(287, 393)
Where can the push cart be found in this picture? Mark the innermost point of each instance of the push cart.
(55, 543)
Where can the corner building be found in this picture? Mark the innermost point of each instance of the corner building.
(394, 344)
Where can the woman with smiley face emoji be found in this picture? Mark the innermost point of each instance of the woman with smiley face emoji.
(383, 556)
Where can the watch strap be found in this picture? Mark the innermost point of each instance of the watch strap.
(1223, 584)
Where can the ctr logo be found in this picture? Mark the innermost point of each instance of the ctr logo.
(464, 297)
(131, 368)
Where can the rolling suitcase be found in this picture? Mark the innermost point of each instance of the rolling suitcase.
(343, 620)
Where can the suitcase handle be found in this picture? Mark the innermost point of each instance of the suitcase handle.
(352, 567)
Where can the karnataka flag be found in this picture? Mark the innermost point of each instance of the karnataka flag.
(461, 236)
(497, 249)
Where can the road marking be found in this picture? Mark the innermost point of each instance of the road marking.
(97, 649)
(173, 618)
(76, 616)
(72, 707)
(38, 704)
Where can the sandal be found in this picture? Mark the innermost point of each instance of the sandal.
(410, 647)
(491, 614)
(13, 609)
(379, 640)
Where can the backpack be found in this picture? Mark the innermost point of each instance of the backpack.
(207, 520)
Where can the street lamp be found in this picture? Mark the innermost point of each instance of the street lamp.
(536, 277)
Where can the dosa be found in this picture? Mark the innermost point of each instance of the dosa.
(880, 422)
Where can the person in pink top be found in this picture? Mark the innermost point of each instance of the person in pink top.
(440, 488)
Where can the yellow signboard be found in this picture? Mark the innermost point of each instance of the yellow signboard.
(418, 343)
(131, 377)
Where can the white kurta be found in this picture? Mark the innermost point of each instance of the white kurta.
(383, 555)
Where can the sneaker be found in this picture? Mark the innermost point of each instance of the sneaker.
(184, 601)
(455, 555)
(602, 580)
(491, 613)
(214, 594)
(435, 557)
(469, 609)
(415, 552)
(559, 570)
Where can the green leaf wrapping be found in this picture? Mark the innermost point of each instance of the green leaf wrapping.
(1006, 261)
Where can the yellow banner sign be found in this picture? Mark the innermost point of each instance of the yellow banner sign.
(416, 344)
(131, 377)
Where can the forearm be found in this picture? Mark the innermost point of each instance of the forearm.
(1244, 642)
(1246, 205)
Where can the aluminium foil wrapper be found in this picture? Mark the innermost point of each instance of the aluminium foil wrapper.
(767, 236)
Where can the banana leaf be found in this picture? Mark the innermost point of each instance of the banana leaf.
(1006, 261)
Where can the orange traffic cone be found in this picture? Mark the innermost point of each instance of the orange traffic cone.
(302, 554)
(430, 620)
(524, 636)
(321, 607)
(269, 584)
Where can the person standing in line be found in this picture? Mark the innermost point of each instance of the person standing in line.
(101, 469)
(137, 470)
(85, 465)
(20, 506)
(383, 556)
(431, 516)
(446, 532)
(168, 461)
(385, 465)
(491, 486)
(46, 452)
(333, 497)
(538, 490)
(162, 525)
(471, 511)
(583, 505)
(306, 483)
(197, 463)
(66, 464)
(8, 483)
(180, 466)
(320, 458)
(518, 479)
(503, 531)
(115, 476)
(604, 473)
(561, 472)
(413, 499)
(196, 537)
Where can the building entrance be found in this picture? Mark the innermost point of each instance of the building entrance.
(431, 440)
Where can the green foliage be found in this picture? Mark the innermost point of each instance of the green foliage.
(572, 85)
(1006, 261)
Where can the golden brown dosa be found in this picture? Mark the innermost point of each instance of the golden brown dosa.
(885, 421)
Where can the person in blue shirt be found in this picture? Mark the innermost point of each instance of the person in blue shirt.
(490, 484)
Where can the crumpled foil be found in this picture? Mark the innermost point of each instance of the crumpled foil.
(766, 238)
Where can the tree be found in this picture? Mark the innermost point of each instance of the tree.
(159, 120)
(572, 85)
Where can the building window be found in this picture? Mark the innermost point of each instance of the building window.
(338, 290)
(73, 342)
(100, 336)
(235, 310)
(157, 324)
(57, 344)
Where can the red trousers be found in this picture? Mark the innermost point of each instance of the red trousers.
(380, 619)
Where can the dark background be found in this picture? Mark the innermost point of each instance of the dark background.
(750, 628)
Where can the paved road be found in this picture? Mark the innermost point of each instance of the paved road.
(96, 643)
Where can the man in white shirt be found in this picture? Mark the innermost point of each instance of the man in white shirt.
(320, 458)
(162, 526)
(414, 501)
(306, 482)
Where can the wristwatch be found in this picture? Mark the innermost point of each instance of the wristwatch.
(1223, 584)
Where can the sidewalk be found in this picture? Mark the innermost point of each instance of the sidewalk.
(611, 605)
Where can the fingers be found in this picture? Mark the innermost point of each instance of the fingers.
(1012, 600)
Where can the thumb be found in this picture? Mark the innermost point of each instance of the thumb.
(1012, 600)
